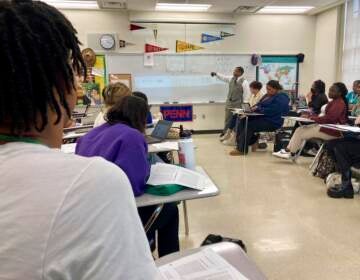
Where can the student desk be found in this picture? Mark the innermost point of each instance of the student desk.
(184, 195)
(166, 146)
(299, 119)
(153, 148)
(73, 135)
(245, 115)
(231, 252)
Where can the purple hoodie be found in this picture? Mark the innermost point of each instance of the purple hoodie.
(122, 145)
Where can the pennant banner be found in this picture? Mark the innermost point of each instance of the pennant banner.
(182, 46)
(134, 27)
(226, 34)
(123, 44)
(206, 38)
(151, 48)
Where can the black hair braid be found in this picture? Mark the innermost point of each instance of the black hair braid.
(40, 53)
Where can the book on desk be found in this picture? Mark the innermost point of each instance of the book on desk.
(168, 174)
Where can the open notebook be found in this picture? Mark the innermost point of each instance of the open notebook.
(168, 174)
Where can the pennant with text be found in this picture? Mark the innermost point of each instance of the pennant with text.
(151, 48)
(182, 46)
(134, 27)
(206, 38)
(123, 44)
(224, 34)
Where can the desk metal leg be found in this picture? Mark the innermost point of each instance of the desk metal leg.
(246, 132)
(153, 217)
(316, 159)
(186, 218)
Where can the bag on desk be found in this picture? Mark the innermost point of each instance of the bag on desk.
(212, 239)
(164, 190)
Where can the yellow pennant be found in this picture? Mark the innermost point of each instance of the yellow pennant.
(182, 46)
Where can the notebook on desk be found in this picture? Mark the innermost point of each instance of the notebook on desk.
(159, 133)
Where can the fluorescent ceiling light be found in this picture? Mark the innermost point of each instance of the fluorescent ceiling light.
(73, 4)
(285, 9)
(171, 7)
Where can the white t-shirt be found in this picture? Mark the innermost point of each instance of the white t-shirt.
(68, 217)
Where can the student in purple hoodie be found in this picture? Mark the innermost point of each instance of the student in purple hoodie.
(121, 141)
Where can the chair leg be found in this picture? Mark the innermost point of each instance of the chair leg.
(298, 154)
(316, 159)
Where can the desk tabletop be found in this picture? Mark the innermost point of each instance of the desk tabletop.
(186, 194)
(73, 135)
(167, 146)
(80, 127)
(299, 119)
(342, 128)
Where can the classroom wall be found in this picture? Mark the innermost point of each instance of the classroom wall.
(265, 34)
(328, 45)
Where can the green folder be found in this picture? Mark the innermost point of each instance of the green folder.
(164, 190)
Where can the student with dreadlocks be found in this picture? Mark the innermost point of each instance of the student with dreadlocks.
(60, 218)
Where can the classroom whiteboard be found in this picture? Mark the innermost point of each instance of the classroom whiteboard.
(182, 78)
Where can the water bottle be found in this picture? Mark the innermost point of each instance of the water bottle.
(187, 153)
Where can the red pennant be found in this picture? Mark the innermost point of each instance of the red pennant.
(151, 48)
(136, 27)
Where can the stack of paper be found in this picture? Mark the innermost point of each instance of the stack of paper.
(168, 174)
(205, 265)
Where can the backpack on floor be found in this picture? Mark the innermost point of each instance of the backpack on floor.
(212, 239)
(282, 139)
(325, 165)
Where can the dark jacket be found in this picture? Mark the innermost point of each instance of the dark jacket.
(335, 113)
(274, 108)
(318, 100)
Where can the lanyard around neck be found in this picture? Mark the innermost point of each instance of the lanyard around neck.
(9, 138)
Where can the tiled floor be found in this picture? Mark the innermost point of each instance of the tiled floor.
(292, 230)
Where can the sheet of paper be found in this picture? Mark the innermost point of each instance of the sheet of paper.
(163, 174)
(149, 60)
(204, 265)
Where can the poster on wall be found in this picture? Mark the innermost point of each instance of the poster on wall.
(281, 68)
(121, 78)
(94, 84)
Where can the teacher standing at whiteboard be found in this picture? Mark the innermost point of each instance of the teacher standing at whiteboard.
(239, 92)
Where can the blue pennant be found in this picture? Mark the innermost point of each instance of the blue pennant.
(206, 38)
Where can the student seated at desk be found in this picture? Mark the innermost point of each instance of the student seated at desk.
(149, 119)
(273, 106)
(346, 153)
(335, 113)
(317, 98)
(111, 94)
(229, 138)
(60, 217)
(121, 140)
(353, 96)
